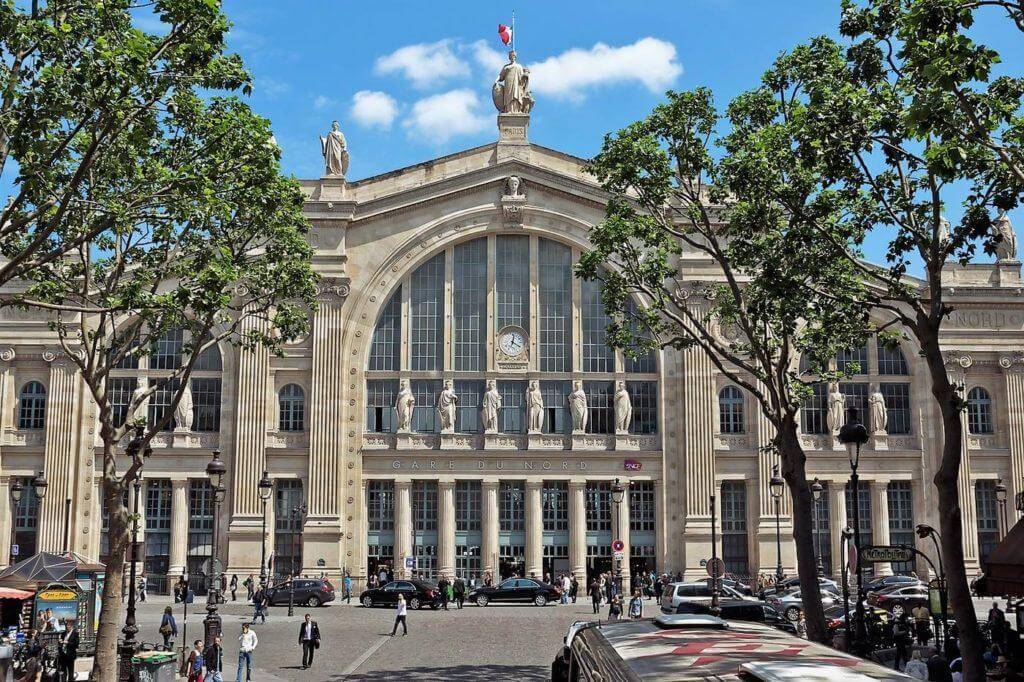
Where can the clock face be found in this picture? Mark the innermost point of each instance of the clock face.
(512, 343)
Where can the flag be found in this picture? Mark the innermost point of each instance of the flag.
(505, 33)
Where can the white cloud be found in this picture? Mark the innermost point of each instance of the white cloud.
(322, 102)
(440, 117)
(371, 108)
(271, 87)
(424, 64)
(649, 61)
(487, 57)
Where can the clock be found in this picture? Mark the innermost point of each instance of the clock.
(512, 343)
(512, 349)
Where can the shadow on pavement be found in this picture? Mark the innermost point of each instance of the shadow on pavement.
(457, 672)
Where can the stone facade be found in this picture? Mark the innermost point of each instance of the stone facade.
(430, 241)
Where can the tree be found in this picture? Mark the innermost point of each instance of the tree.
(760, 312)
(185, 229)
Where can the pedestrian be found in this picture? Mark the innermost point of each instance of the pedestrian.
(902, 641)
(179, 591)
(459, 590)
(997, 624)
(595, 595)
(257, 606)
(956, 669)
(309, 640)
(247, 643)
(346, 586)
(142, 587)
(801, 626)
(214, 659)
(574, 588)
(223, 588)
(249, 589)
(916, 668)
(938, 668)
(442, 591)
(604, 588)
(234, 586)
(371, 582)
(566, 588)
(168, 627)
(68, 651)
(636, 606)
(400, 616)
(195, 662)
(383, 577)
(922, 624)
(614, 608)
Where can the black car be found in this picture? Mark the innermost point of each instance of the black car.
(418, 593)
(740, 609)
(521, 590)
(885, 582)
(308, 591)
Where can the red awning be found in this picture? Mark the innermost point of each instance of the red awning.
(11, 593)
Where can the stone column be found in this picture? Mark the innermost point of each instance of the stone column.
(957, 365)
(1013, 370)
(880, 520)
(446, 528)
(661, 564)
(60, 458)
(578, 530)
(322, 536)
(836, 523)
(534, 529)
(699, 397)
(622, 525)
(178, 559)
(6, 520)
(403, 525)
(489, 544)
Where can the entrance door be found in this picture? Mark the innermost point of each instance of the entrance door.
(597, 565)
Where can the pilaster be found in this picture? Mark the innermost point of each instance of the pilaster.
(178, 559)
(403, 525)
(880, 520)
(446, 528)
(534, 529)
(836, 522)
(60, 460)
(957, 365)
(6, 520)
(578, 529)
(622, 526)
(489, 544)
(1013, 372)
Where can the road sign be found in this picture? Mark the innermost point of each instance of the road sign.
(618, 556)
(716, 567)
(935, 597)
(410, 562)
(14, 550)
(883, 554)
(618, 545)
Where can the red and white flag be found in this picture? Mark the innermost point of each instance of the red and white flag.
(505, 33)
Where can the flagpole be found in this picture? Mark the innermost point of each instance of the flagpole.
(513, 30)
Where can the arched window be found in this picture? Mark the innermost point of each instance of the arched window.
(730, 410)
(979, 411)
(32, 407)
(291, 401)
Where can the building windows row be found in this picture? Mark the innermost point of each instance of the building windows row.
(896, 396)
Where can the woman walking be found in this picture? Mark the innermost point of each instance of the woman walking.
(636, 606)
(168, 627)
(234, 586)
(614, 608)
(400, 617)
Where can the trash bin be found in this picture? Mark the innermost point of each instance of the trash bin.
(155, 666)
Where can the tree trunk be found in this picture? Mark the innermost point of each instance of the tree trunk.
(972, 644)
(104, 667)
(794, 471)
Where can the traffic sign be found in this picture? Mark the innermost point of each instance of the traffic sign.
(410, 562)
(716, 567)
(874, 554)
(618, 545)
(618, 556)
(15, 550)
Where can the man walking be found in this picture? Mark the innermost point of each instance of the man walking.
(247, 643)
(309, 639)
(574, 588)
(249, 582)
(566, 587)
(922, 622)
(68, 651)
(214, 660)
(442, 588)
(347, 587)
(400, 616)
(595, 595)
(459, 589)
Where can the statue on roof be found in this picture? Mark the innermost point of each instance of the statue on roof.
(1006, 247)
(335, 151)
(511, 92)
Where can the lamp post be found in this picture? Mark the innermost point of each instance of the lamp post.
(1001, 501)
(130, 628)
(17, 492)
(300, 513)
(853, 434)
(775, 486)
(923, 531)
(266, 490)
(215, 471)
(816, 490)
(618, 493)
(847, 534)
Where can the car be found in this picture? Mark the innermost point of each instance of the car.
(307, 591)
(699, 591)
(418, 593)
(889, 581)
(515, 590)
(791, 604)
(790, 584)
(740, 609)
(900, 600)
(835, 619)
(737, 584)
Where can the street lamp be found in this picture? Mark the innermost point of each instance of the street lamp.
(816, 490)
(130, 628)
(923, 531)
(17, 492)
(266, 490)
(847, 534)
(215, 471)
(854, 435)
(775, 485)
(618, 494)
(1001, 500)
(300, 513)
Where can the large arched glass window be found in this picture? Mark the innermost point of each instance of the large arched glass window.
(32, 406)
(291, 402)
(503, 307)
(730, 410)
(979, 411)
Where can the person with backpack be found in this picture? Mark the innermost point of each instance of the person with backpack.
(636, 606)
(168, 627)
(258, 608)
(195, 662)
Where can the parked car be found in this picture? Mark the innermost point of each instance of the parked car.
(889, 581)
(835, 619)
(791, 603)
(740, 609)
(790, 584)
(308, 591)
(900, 600)
(519, 590)
(418, 593)
(737, 584)
(700, 591)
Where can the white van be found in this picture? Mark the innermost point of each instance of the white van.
(699, 592)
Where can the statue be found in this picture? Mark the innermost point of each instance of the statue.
(879, 415)
(492, 403)
(1006, 247)
(944, 230)
(623, 408)
(836, 407)
(404, 404)
(511, 92)
(534, 408)
(512, 186)
(446, 403)
(137, 407)
(183, 411)
(578, 407)
(335, 151)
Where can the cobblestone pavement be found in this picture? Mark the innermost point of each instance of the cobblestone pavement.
(499, 642)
